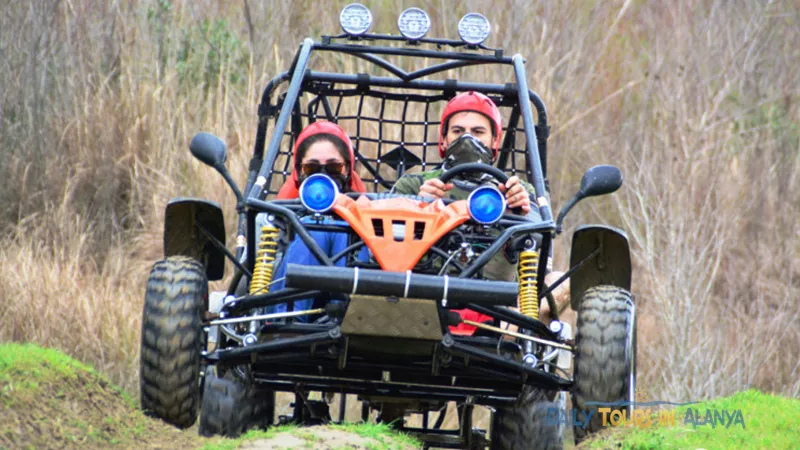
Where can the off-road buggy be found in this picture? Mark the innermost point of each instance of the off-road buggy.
(390, 340)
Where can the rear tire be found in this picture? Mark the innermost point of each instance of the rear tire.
(172, 339)
(533, 422)
(605, 354)
(231, 407)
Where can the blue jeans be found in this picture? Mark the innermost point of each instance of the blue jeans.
(331, 243)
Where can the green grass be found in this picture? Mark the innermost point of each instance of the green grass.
(384, 437)
(769, 422)
(231, 444)
(381, 433)
(25, 368)
(52, 401)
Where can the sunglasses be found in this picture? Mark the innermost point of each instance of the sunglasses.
(331, 168)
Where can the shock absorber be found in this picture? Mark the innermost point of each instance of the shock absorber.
(528, 291)
(265, 260)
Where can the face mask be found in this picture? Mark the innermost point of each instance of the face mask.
(467, 149)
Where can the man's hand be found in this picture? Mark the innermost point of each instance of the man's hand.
(435, 188)
(516, 195)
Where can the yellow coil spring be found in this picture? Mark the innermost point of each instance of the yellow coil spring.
(528, 292)
(265, 260)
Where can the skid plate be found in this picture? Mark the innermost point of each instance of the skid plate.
(391, 317)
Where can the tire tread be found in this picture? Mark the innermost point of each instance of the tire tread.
(172, 340)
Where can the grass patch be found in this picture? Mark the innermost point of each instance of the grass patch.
(375, 437)
(49, 400)
(26, 368)
(767, 421)
(381, 433)
(231, 444)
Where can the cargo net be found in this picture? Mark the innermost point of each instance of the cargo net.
(392, 133)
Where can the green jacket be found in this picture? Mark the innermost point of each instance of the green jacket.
(498, 268)
(409, 184)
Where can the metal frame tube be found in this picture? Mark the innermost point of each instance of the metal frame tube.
(411, 285)
(301, 231)
(534, 161)
(293, 92)
(267, 316)
(399, 51)
(539, 377)
(325, 337)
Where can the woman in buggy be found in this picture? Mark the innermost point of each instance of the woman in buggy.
(322, 147)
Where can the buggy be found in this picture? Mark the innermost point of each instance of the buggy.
(391, 340)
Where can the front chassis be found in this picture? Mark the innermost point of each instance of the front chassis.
(422, 370)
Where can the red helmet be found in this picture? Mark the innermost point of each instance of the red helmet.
(476, 102)
(290, 187)
(323, 127)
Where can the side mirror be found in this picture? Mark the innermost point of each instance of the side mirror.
(209, 149)
(599, 180)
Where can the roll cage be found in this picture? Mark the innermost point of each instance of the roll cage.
(329, 94)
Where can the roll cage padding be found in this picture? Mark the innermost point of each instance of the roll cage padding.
(188, 223)
(608, 263)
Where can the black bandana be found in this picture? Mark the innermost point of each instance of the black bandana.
(467, 149)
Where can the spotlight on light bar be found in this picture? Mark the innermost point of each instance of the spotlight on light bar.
(414, 23)
(355, 19)
(474, 28)
(318, 193)
(486, 205)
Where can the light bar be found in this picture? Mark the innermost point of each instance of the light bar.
(355, 19)
(474, 28)
(414, 23)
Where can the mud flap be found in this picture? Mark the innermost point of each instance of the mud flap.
(611, 265)
(184, 219)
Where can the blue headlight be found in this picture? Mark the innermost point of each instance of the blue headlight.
(486, 205)
(318, 193)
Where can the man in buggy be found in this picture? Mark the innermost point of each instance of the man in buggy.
(470, 131)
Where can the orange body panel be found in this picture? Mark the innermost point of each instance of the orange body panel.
(399, 231)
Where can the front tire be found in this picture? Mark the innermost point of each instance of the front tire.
(231, 407)
(172, 340)
(533, 422)
(605, 355)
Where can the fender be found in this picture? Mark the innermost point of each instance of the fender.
(610, 266)
(182, 235)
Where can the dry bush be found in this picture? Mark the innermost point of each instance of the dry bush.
(697, 102)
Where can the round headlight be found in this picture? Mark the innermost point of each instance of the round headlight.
(414, 23)
(355, 19)
(486, 205)
(318, 193)
(474, 28)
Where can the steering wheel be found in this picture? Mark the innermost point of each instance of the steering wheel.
(451, 173)
(498, 175)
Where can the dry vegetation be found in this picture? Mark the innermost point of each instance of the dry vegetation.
(697, 102)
